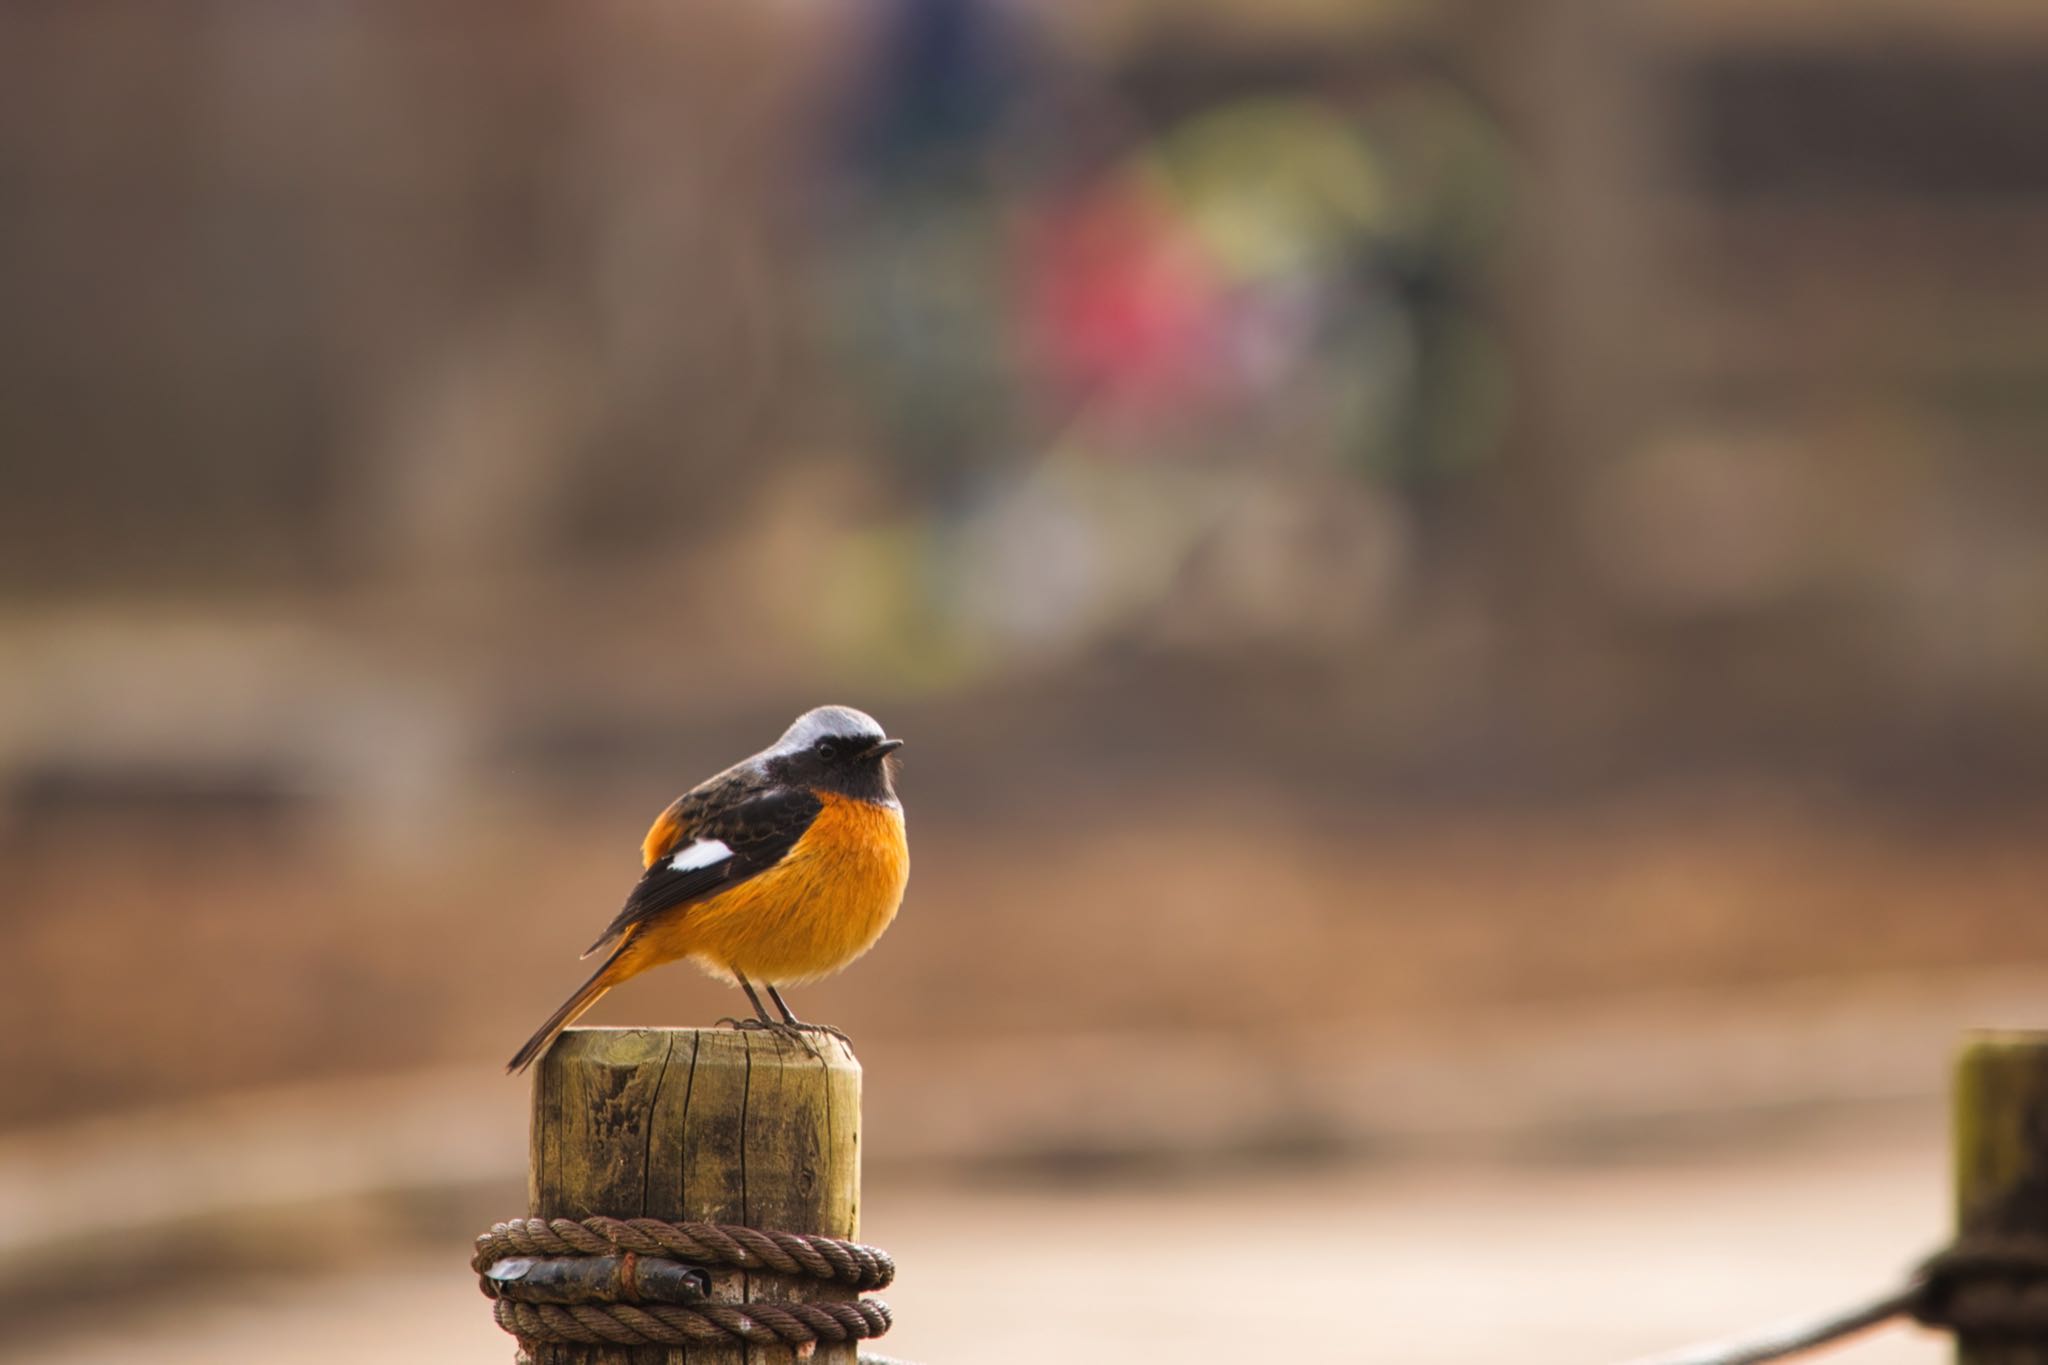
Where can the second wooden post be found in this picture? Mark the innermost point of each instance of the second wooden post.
(703, 1125)
(2001, 1137)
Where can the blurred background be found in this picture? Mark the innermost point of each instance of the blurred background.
(1467, 583)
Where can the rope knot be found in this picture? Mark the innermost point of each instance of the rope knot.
(1986, 1285)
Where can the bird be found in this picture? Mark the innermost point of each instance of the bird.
(782, 869)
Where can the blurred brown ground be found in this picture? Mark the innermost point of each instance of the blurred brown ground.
(1226, 917)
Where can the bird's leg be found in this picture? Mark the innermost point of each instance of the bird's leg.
(764, 1019)
(760, 1010)
(790, 1019)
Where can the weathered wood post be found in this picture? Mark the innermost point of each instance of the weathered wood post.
(705, 1125)
(2001, 1155)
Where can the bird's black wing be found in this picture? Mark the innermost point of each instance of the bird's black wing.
(723, 834)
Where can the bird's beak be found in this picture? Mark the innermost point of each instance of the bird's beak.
(884, 746)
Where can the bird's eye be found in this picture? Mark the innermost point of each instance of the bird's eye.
(826, 749)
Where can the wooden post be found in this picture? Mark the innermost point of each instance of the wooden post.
(2001, 1154)
(710, 1125)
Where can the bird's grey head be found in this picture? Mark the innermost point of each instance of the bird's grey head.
(836, 748)
(828, 722)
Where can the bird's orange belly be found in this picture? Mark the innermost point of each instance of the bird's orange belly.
(818, 909)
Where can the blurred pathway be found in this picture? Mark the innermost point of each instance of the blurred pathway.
(1587, 1263)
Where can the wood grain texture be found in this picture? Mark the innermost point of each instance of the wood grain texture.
(2001, 1156)
(711, 1125)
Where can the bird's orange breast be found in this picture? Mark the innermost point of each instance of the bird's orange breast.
(818, 909)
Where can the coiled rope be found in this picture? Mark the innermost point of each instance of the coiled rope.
(617, 1314)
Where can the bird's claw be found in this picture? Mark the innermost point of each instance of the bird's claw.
(795, 1030)
(822, 1028)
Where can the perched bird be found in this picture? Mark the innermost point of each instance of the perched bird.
(781, 869)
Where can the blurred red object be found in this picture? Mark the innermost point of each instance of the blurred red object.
(1120, 305)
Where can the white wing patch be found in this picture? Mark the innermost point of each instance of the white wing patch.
(703, 853)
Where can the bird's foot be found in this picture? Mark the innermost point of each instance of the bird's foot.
(801, 1027)
(796, 1031)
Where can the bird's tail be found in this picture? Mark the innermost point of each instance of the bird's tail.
(588, 994)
